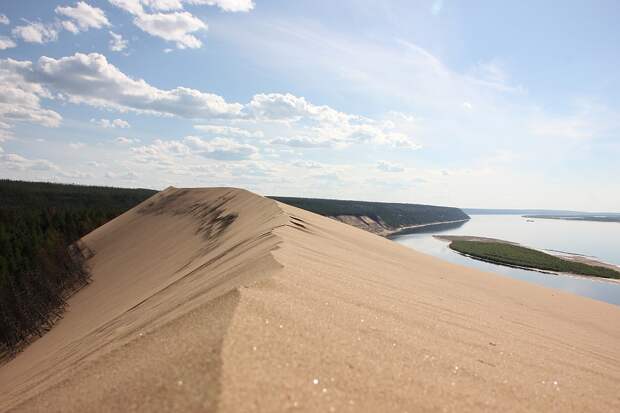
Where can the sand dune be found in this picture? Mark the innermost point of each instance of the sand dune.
(222, 300)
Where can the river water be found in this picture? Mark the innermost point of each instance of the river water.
(600, 240)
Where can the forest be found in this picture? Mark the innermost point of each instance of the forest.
(394, 215)
(41, 263)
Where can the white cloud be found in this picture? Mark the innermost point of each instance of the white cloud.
(178, 26)
(373, 133)
(16, 162)
(69, 26)
(92, 80)
(288, 107)
(387, 166)
(228, 131)
(164, 5)
(127, 176)
(221, 148)
(84, 16)
(324, 126)
(6, 43)
(117, 43)
(168, 20)
(226, 5)
(174, 27)
(121, 140)
(137, 6)
(308, 164)
(36, 33)
(177, 153)
(114, 123)
(76, 175)
(131, 6)
(303, 142)
(20, 99)
(4, 19)
(160, 152)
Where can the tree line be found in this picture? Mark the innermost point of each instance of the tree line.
(41, 264)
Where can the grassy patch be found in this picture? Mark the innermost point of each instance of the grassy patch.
(507, 254)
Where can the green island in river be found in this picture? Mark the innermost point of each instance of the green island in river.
(511, 254)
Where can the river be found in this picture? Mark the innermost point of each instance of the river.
(600, 240)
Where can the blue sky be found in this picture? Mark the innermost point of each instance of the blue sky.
(472, 104)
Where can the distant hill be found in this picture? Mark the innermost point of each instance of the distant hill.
(382, 218)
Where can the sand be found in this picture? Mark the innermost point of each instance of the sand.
(221, 300)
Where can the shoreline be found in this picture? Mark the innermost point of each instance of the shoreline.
(570, 257)
(379, 227)
(402, 230)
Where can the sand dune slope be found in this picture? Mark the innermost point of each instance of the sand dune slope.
(221, 300)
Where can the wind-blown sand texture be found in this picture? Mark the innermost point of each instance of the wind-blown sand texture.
(222, 300)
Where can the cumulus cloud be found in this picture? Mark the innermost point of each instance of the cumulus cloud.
(78, 18)
(226, 5)
(127, 176)
(288, 107)
(4, 19)
(302, 142)
(161, 152)
(90, 79)
(168, 20)
(228, 131)
(83, 16)
(137, 6)
(17, 162)
(20, 99)
(70, 26)
(169, 153)
(373, 133)
(114, 123)
(174, 27)
(325, 126)
(6, 43)
(163, 5)
(121, 140)
(117, 43)
(36, 32)
(131, 6)
(387, 166)
(308, 164)
(221, 148)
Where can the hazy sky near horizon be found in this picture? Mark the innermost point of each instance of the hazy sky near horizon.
(465, 103)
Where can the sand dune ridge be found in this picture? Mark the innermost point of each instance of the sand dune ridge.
(222, 300)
